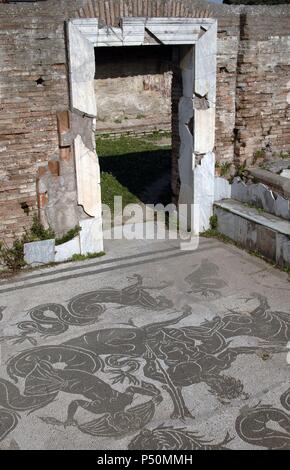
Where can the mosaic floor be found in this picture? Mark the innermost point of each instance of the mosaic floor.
(156, 348)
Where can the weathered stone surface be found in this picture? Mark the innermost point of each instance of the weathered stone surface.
(91, 236)
(262, 197)
(276, 182)
(222, 189)
(205, 64)
(204, 130)
(204, 187)
(38, 253)
(88, 178)
(277, 166)
(283, 250)
(175, 30)
(133, 31)
(186, 157)
(282, 207)
(187, 70)
(89, 28)
(252, 214)
(65, 251)
(82, 71)
(266, 234)
(285, 173)
(205, 87)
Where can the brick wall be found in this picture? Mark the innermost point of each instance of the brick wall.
(33, 86)
(263, 82)
(253, 83)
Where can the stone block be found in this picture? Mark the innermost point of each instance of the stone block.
(91, 236)
(262, 197)
(266, 242)
(82, 71)
(88, 178)
(205, 64)
(204, 186)
(282, 207)
(285, 173)
(204, 130)
(65, 251)
(222, 189)
(240, 190)
(40, 252)
(282, 250)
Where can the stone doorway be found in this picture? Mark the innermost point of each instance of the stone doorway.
(194, 121)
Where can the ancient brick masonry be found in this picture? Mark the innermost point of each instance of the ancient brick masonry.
(33, 84)
(263, 83)
(252, 88)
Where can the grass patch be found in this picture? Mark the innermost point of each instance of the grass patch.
(213, 222)
(112, 187)
(79, 257)
(129, 164)
(128, 144)
(224, 168)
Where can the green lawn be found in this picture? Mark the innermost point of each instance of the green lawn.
(129, 165)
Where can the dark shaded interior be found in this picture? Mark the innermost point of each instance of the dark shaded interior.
(114, 62)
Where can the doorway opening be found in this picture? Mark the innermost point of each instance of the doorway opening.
(187, 47)
(137, 89)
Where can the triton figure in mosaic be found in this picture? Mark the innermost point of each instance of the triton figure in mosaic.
(86, 309)
(157, 360)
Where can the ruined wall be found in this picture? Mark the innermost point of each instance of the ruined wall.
(33, 86)
(36, 164)
(134, 104)
(253, 82)
(263, 82)
(133, 88)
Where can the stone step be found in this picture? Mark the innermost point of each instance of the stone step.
(255, 230)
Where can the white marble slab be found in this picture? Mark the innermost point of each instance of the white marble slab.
(89, 28)
(204, 130)
(91, 236)
(82, 71)
(40, 252)
(205, 64)
(174, 30)
(177, 31)
(66, 250)
(204, 186)
(88, 178)
(222, 189)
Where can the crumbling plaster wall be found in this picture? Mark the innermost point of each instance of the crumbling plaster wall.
(36, 156)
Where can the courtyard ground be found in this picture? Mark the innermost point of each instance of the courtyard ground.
(150, 347)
